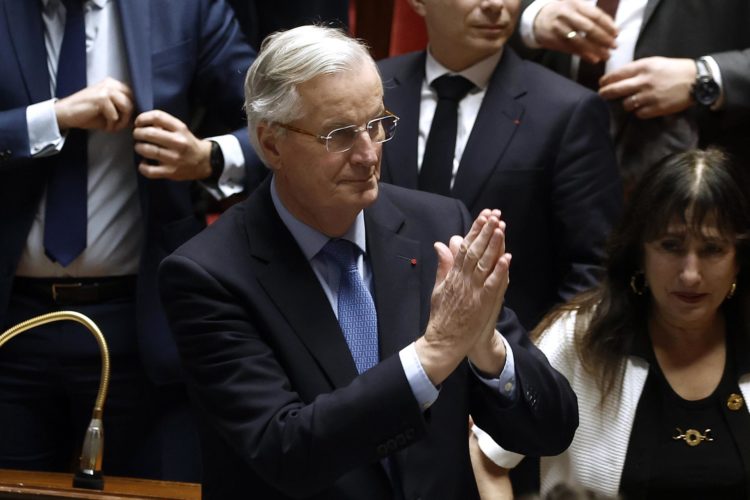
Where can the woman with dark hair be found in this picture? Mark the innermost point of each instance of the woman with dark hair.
(659, 353)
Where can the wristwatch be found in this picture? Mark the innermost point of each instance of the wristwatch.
(705, 91)
(216, 159)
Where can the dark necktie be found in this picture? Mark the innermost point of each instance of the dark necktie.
(66, 213)
(588, 73)
(357, 316)
(437, 163)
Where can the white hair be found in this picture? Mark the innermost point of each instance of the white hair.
(288, 59)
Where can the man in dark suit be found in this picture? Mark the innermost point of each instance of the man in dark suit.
(148, 59)
(306, 389)
(654, 54)
(528, 142)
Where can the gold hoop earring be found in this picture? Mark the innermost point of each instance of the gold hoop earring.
(732, 289)
(638, 276)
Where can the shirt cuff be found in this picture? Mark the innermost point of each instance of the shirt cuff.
(713, 67)
(527, 23)
(505, 384)
(232, 178)
(421, 386)
(495, 452)
(44, 134)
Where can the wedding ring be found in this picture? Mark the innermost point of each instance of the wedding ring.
(571, 34)
(634, 101)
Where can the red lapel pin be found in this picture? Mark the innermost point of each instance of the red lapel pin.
(412, 260)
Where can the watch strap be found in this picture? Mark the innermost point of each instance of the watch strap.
(216, 160)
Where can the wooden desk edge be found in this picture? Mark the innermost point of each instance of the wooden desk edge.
(42, 485)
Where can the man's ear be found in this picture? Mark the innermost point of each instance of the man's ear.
(268, 139)
(418, 6)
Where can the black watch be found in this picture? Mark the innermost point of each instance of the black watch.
(705, 90)
(217, 162)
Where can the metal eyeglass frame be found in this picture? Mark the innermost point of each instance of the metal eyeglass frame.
(357, 130)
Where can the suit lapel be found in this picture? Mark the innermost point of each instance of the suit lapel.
(648, 14)
(283, 268)
(136, 31)
(26, 28)
(291, 284)
(498, 119)
(403, 93)
(396, 279)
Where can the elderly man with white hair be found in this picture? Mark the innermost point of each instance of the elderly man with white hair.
(334, 332)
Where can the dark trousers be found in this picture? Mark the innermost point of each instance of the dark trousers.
(49, 379)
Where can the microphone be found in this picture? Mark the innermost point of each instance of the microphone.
(89, 474)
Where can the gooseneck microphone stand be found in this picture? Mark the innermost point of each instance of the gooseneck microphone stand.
(89, 474)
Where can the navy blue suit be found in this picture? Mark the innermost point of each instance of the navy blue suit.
(178, 53)
(283, 413)
(539, 151)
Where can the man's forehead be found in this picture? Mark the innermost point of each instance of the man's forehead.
(342, 97)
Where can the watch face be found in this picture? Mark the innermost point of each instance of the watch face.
(705, 91)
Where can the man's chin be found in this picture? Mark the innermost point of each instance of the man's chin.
(370, 194)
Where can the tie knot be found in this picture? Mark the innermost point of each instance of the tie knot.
(452, 87)
(342, 252)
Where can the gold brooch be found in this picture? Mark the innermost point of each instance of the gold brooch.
(693, 437)
(735, 402)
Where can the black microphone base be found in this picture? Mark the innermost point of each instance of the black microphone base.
(93, 481)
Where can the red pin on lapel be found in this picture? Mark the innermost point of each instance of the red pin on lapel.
(412, 260)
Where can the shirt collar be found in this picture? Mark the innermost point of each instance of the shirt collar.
(479, 74)
(310, 240)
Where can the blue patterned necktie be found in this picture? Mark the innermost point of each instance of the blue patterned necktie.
(66, 213)
(357, 316)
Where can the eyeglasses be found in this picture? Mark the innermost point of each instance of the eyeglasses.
(340, 140)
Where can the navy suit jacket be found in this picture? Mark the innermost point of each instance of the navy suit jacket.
(178, 54)
(282, 411)
(540, 152)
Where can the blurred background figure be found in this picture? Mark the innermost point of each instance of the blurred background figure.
(96, 160)
(259, 18)
(480, 124)
(659, 353)
(677, 72)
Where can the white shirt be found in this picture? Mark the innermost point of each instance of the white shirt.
(115, 229)
(468, 108)
(115, 232)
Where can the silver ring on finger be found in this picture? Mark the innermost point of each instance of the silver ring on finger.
(634, 101)
(570, 35)
(480, 268)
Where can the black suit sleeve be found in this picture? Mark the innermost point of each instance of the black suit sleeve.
(586, 196)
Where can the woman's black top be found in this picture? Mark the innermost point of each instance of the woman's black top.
(658, 466)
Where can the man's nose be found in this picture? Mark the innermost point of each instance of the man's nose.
(364, 150)
(492, 7)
